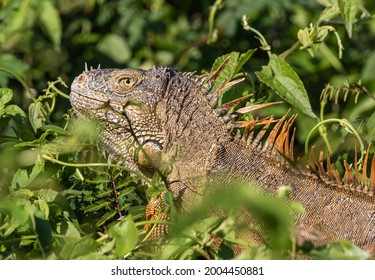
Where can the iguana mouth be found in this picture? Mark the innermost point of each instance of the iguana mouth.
(86, 96)
(75, 95)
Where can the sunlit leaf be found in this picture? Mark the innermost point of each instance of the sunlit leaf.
(342, 250)
(37, 115)
(125, 234)
(279, 76)
(6, 95)
(349, 10)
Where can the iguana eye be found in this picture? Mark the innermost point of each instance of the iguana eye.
(126, 82)
(122, 82)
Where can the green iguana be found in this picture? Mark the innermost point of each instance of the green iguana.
(173, 117)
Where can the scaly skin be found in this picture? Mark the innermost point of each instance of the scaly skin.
(170, 114)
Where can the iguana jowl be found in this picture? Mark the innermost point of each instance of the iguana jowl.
(172, 115)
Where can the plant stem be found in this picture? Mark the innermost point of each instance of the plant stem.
(343, 122)
(290, 50)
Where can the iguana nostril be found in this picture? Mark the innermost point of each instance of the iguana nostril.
(81, 78)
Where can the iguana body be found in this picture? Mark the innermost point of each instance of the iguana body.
(170, 114)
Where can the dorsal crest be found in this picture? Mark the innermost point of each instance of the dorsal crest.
(275, 137)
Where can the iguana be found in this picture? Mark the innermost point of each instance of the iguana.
(150, 117)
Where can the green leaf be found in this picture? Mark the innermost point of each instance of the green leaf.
(125, 234)
(54, 128)
(43, 209)
(44, 232)
(235, 64)
(68, 229)
(50, 22)
(7, 112)
(37, 115)
(23, 179)
(18, 211)
(6, 95)
(14, 110)
(115, 47)
(342, 250)
(279, 76)
(243, 58)
(329, 13)
(106, 217)
(349, 10)
(78, 248)
(98, 205)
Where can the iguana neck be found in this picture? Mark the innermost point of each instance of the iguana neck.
(190, 125)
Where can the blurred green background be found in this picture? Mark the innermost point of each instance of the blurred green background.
(43, 39)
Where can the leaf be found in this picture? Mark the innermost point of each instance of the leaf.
(54, 128)
(14, 110)
(107, 216)
(98, 205)
(235, 64)
(115, 47)
(7, 112)
(243, 58)
(68, 229)
(44, 232)
(329, 13)
(50, 22)
(78, 248)
(349, 10)
(37, 115)
(342, 250)
(279, 76)
(6, 95)
(43, 209)
(47, 195)
(18, 210)
(125, 234)
(22, 179)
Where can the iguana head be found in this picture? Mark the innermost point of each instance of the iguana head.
(150, 116)
(124, 101)
(117, 88)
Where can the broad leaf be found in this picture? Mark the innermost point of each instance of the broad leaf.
(6, 95)
(279, 76)
(37, 115)
(349, 9)
(235, 64)
(329, 13)
(342, 250)
(23, 179)
(125, 234)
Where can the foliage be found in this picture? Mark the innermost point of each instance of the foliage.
(61, 199)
